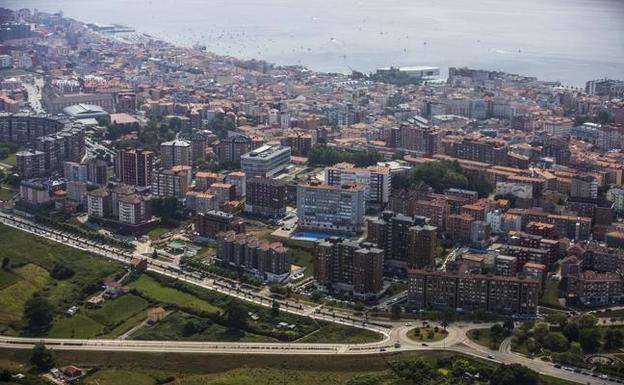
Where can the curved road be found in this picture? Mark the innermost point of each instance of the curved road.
(395, 334)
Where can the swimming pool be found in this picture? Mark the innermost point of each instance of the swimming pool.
(302, 235)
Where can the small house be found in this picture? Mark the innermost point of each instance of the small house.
(138, 265)
(155, 314)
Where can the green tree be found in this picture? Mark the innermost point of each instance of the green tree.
(61, 272)
(190, 328)
(508, 325)
(514, 374)
(613, 339)
(585, 320)
(237, 315)
(316, 295)
(555, 342)
(571, 331)
(589, 340)
(395, 310)
(42, 358)
(38, 314)
(275, 308)
(5, 375)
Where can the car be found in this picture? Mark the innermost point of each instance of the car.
(594, 375)
(382, 349)
(408, 324)
(424, 344)
(397, 345)
(557, 366)
(491, 357)
(577, 370)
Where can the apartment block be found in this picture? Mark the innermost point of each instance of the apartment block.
(331, 208)
(429, 289)
(349, 267)
(265, 197)
(375, 179)
(134, 167)
(269, 261)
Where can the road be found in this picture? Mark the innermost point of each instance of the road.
(395, 334)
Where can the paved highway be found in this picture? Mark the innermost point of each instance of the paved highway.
(395, 337)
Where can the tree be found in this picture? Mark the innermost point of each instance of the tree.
(5, 375)
(613, 339)
(237, 315)
(5, 263)
(514, 374)
(275, 308)
(571, 331)
(316, 295)
(497, 332)
(508, 325)
(155, 254)
(38, 314)
(555, 342)
(589, 339)
(42, 358)
(61, 272)
(190, 327)
(396, 311)
(585, 320)
(541, 330)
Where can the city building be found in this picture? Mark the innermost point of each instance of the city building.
(330, 208)
(134, 167)
(265, 161)
(375, 179)
(584, 187)
(173, 182)
(616, 196)
(468, 292)
(201, 201)
(265, 197)
(210, 223)
(406, 241)
(76, 172)
(121, 208)
(97, 171)
(268, 261)
(300, 142)
(349, 267)
(230, 149)
(176, 153)
(30, 164)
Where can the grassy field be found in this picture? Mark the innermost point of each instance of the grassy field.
(124, 368)
(78, 326)
(156, 232)
(28, 280)
(423, 334)
(172, 328)
(330, 333)
(113, 313)
(550, 297)
(6, 193)
(150, 288)
(482, 337)
(36, 258)
(8, 278)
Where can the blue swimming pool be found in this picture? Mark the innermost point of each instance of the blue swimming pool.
(309, 235)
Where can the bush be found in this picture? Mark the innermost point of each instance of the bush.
(42, 358)
(38, 314)
(61, 272)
